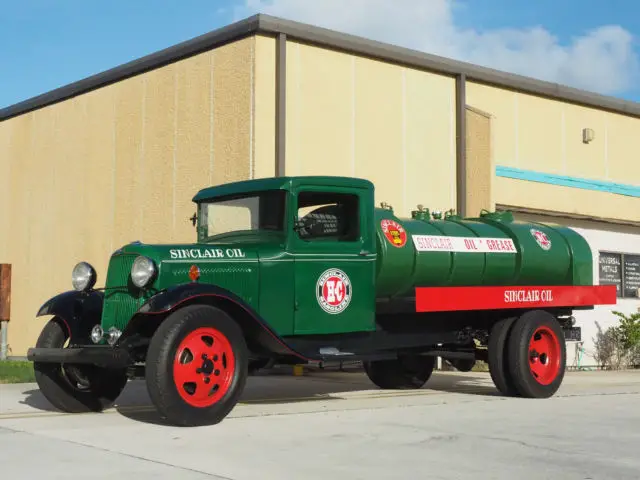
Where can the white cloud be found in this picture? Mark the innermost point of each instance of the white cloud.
(601, 60)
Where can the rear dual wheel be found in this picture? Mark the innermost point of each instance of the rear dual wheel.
(527, 355)
(462, 364)
(497, 357)
(197, 366)
(404, 372)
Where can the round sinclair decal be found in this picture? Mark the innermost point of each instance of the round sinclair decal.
(333, 291)
(541, 238)
(396, 235)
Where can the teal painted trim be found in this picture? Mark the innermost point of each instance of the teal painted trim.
(565, 181)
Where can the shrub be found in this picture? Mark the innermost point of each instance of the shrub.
(629, 336)
(619, 345)
(605, 347)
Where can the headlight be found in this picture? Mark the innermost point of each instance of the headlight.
(142, 271)
(96, 334)
(83, 277)
(113, 335)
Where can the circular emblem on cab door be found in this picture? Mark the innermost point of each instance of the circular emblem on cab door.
(541, 238)
(333, 291)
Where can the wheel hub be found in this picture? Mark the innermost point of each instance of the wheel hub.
(204, 367)
(544, 355)
(207, 365)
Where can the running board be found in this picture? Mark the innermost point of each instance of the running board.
(334, 354)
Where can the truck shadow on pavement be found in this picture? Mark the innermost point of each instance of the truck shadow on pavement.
(35, 400)
(281, 389)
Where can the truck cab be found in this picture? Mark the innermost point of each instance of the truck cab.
(292, 249)
(314, 240)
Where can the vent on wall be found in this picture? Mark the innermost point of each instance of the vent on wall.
(588, 135)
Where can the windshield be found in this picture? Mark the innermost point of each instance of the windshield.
(257, 211)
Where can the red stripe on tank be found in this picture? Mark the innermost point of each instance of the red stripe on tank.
(442, 299)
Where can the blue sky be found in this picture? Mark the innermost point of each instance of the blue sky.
(587, 44)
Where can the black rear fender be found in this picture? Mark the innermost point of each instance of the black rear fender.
(78, 311)
(260, 337)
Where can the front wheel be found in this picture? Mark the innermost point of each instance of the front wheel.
(405, 372)
(536, 354)
(197, 366)
(75, 388)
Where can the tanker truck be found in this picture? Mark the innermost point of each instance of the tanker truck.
(303, 270)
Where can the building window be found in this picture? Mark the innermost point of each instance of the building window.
(621, 270)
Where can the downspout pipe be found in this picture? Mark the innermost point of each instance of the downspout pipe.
(4, 342)
(281, 104)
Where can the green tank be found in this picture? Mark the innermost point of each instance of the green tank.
(492, 249)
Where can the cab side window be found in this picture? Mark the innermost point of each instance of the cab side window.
(328, 217)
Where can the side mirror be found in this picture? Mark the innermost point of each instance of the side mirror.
(194, 219)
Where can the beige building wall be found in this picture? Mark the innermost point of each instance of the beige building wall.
(553, 198)
(541, 135)
(353, 116)
(80, 178)
(480, 168)
(263, 136)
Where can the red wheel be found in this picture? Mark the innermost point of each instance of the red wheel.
(203, 367)
(197, 365)
(536, 354)
(544, 355)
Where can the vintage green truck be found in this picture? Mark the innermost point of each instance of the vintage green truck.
(297, 270)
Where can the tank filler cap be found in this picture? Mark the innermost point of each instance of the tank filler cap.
(386, 206)
(421, 213)
(451, 214)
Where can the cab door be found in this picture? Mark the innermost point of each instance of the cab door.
(334, 261)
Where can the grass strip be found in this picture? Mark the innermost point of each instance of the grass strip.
(16, 372)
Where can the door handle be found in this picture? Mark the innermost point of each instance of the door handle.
(364, 253)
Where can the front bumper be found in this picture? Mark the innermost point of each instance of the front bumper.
(102, 356)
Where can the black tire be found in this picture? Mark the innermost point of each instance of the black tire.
(542, 376)
(405, 372)
(75, 388)
(498, 358)
(174, 397)
(462, 364)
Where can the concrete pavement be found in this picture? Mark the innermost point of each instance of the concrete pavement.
(336, 425)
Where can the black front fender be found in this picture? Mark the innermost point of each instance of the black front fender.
(79, 311)
(256, 329)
